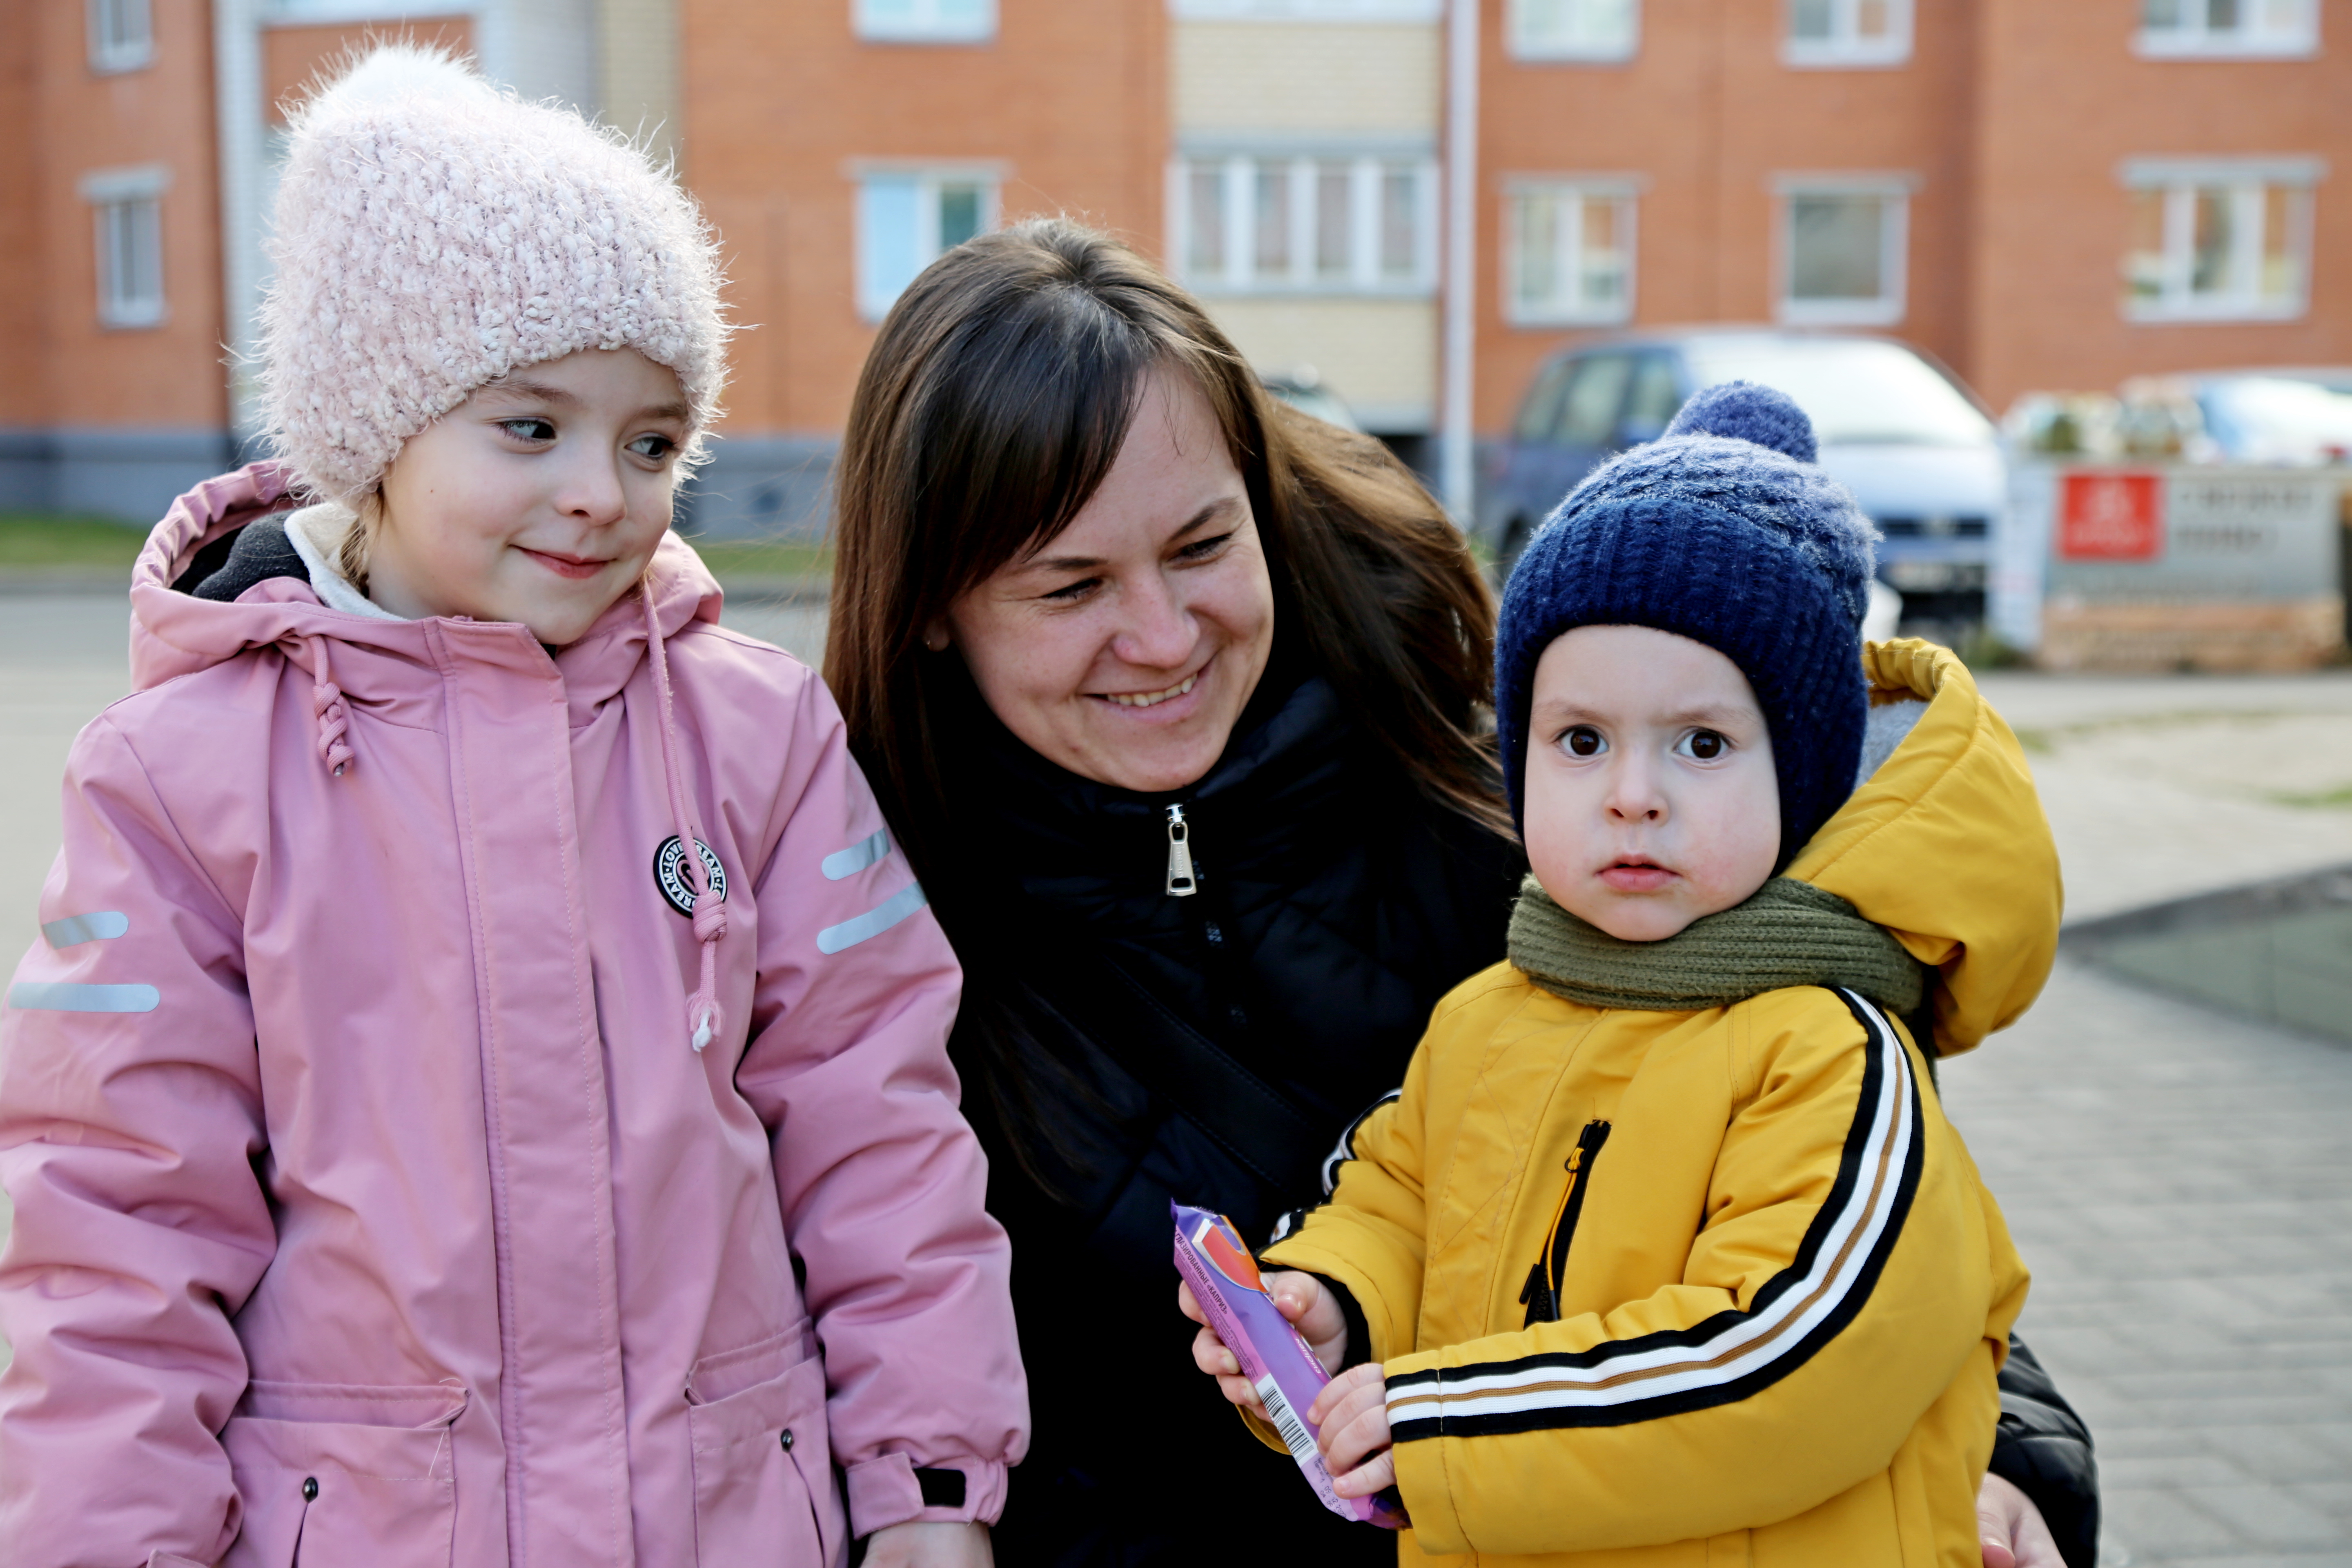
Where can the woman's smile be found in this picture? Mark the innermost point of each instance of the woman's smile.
(1153, 698)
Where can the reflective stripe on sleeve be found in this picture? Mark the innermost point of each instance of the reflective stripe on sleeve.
(874, 921)
(69, 996)
(857, 857)
(91, 927)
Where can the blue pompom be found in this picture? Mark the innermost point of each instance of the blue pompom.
(1746, 411)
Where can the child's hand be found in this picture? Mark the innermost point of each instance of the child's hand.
(1352, 1416)
(1302, 1299)
(919, 1543)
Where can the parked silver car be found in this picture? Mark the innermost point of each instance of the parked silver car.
(1901, 432)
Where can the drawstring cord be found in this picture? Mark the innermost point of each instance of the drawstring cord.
(327, 707)
(702, 1013)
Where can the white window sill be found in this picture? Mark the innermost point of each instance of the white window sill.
(1593, 55)
(1844, 57)
(126, 60)
(1840, 313)
(2206, 46)
(2144, 313)
(132, 321)
(926, 34)
(1614, 316)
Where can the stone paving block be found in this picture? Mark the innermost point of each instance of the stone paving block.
(2199, 1468)
(2159, 1524)
(2268, 1515)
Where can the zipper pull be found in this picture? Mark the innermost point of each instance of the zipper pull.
(1179, 855)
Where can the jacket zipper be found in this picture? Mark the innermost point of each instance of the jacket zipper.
(1541, 1292)
(1181, 884)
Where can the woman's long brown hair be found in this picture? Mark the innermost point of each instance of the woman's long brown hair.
(991, 407)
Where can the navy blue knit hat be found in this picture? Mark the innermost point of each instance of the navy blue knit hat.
(1722, 531)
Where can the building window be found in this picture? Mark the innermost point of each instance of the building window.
(126, 207)
(121, 34)
(925, 21)
(1575, 29)
(2176, 29)
(1848, 33)
(1567, 251)
(1259, 223)
(2224, 241)
(908, 218)
(1843, 251)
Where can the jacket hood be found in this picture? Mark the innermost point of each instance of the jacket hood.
(1945, 845)
(173, 633)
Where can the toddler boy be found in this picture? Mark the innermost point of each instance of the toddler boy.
(1665, 1239)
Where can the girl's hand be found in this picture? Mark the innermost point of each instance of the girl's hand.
(1299, 1296)
(918, 1543)
(1352, 1416)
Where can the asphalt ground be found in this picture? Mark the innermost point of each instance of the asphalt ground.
(2179, 1179)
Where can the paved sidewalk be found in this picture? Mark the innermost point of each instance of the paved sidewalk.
(2180, 1183)
(2181, 1180)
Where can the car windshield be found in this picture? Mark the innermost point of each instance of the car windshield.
(1857, 391)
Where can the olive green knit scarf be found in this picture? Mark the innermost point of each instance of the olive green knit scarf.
(1787, 933)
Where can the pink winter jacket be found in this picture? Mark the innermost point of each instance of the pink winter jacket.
(373, 1208)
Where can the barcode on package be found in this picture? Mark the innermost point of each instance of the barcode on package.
(1294, 1436)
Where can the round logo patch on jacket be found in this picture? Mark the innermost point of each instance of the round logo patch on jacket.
(667, 870)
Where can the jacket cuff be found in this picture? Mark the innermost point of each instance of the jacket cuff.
(890, 1490)
(1370, 1322)
(1357, 1349)
(1428, 1497)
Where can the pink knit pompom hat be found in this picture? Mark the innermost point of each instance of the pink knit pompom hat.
(434, 232)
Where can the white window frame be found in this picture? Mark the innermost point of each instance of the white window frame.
(1524, 47)
(2249, 180)
(1842, 50)
(928, 177)
(927, 27)
(1894, 255)
(2193, 37)
(1237, 191)
(1625, 190)
(1306, 10)
(117, 196)
(121, 34)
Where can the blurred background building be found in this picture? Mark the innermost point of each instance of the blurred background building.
(2041, 196)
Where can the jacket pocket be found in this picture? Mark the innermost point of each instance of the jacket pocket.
(335, 1474)
(763, 1484)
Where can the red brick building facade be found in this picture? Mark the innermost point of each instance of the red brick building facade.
(2044, 196)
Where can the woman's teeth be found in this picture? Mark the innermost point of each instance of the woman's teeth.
(1152, 698)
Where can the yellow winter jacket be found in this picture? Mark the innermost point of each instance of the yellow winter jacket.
(1786, 1292)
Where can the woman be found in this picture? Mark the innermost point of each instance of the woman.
(1175, 699)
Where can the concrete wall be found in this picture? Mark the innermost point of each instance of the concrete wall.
(1313, 77)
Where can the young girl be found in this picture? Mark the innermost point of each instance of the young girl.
(482, 1095)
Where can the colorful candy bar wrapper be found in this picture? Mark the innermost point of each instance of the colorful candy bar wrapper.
(1214, 1261)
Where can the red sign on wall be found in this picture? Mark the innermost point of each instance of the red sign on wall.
(2111, 517)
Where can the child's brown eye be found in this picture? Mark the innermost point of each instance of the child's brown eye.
(1705, 745)
(1582, 740)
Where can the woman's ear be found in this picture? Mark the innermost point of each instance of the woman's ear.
(935, 635)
